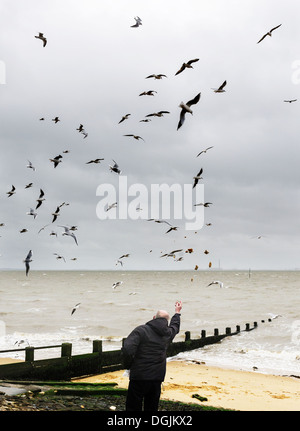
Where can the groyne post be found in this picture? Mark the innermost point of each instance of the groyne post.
(29, 354)
(97, 346)
(187, 335)
(66, 349)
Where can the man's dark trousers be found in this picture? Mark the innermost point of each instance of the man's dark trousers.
(139, 390)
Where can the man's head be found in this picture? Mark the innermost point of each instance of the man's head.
(162, 313)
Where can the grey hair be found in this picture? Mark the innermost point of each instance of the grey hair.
(162, 313)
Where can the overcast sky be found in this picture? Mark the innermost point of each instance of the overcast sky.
(92, 71)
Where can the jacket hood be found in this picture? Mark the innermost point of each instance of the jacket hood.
(159, 325)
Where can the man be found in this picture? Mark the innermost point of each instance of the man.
(144, 352)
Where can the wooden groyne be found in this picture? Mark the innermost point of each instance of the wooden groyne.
(69, 366)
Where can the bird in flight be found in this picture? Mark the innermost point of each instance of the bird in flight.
(75, 308)
(159, 76)
(188, 65)
(158, 114)
(221, 88)
(135, 137)
(115, 168)
(94, 161)
(186, 107)
(30, 165)
(40, 199)
(290, 101)
(203, 151)
(32, 212)
(59, 256)
(12, 191)
(56, 120)
(125, 117)
(55, 214)
(27, 261)
(56, 160)
(269, 33)
(148, 93)
(197, 177)
(116, 284)
(205, 204)
(138, 22)
(42, 37)
(69, 233)
(216, 282)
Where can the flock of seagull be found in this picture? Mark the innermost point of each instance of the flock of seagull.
(186, 108)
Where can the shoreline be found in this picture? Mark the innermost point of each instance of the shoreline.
(223, 388)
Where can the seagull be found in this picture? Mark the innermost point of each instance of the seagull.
(56, 120)
(59, 257)
(290, 101)
(115, 168)
(216, 282)
(159, 221)
(42, 37)
(205, 204)
(27, 261)
(75, 308)
(124, 255)
(30, 166)
(56, 160)
(197, 178)
(220, 89)
(40, 199)
(28, 185)
(204, 151)
(136, 137)
(80, 128)
(120, 262)
(68, 233)
(85, 134)
(185, 107)
(116, 284)
(55, 214)
(138, 22)
(158, 114)
(274, 316)
(125, 117)
(172, 228)
(32, 212)
(269, 33)
(171, 253)
(186, 65)
(111, 206)
(23, 230)
(52, 233)
(11, 192)
(159, 76)
(94, 161)
(148, 93)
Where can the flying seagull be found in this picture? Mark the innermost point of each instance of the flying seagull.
(290, 101)
(55, 214)
(185, 107)
(158, 76)
(138, 22)
(115, 168)
(75, 308)
(216, 282)
(221, 88)
(40, 199)
(136, 137)
(56, 160)
(158, 114)
(116, 284)
(186, 65)
(28, 185)
(30, 166)
(32, 212)
(56, 119)
(125, 117)
(80, 128)
(111, 206)
(42, 37)
(148, 93)
(205, 204)
(59, 256)
(269, 33)
(11, 192)
(27, 261)
(68, 233)
(172, 228)
(94, 161)
(203, 151)
(197, 177)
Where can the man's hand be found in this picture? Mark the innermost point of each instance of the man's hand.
(178, 306)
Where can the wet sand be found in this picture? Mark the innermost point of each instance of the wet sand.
(230, 389)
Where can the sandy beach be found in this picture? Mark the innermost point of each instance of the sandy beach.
(232, 389)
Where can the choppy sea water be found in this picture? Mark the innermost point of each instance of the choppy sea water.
(36, 311)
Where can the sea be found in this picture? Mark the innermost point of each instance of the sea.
(37, 311)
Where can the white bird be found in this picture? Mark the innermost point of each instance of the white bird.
(115, 168)
(124, 117)
(221, 88)
(111, 206)
(69, 233)
(27, 261)
(186, 107)
(138, 22)
(269, 33)
(274, 316)
(204, 151)
(216, 282)
(75, 308)
(158, 76)
(186, 65)
(30, 165)
(55, 214)
(32, 212)
(59, 257)
(116, 284)
(197, 177)
(40, 199)
(42, 37)
(12, 191)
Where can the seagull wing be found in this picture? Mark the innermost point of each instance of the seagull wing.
(274, 28)
(181, 69)
(192, 61)
(222, 86)
(262, 37)
(195, 100)
(181, 119)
